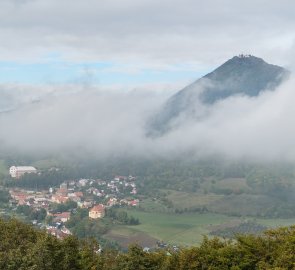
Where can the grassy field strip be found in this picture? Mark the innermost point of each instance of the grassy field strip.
(194, 234)
(279, 222)
(183, 200)
(186, 229)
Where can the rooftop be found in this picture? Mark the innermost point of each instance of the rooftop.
(99, 207)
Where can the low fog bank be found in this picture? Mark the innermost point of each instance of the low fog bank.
(110, 123)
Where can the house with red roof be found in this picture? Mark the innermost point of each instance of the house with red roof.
(62, 217)
(59, 199)
(98, 211)
(133, 202)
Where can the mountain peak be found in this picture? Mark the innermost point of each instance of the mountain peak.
(245, 59)
(241, 75)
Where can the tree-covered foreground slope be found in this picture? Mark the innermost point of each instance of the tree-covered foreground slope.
(22, 247)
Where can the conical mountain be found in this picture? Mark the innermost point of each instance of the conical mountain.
(241, 75)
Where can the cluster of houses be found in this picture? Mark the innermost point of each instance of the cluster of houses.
(93, 194)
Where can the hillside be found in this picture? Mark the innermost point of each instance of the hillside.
(23, 247)
(240, 75)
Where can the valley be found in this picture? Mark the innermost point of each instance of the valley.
(212, 198)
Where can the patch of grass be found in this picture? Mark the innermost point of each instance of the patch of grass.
(276, 222)
(154, 205)
(243, 205)
(234, 184)
(182, 200)
(185, 229)
(125, 236)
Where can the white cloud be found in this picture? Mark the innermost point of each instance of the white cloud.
(134, 35)
(112, 123)
(148, 32)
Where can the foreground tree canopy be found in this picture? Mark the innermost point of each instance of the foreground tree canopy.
(22, 247)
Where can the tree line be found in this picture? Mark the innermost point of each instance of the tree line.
(24, 248)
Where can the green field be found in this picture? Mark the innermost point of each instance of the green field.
(234, 184)
(182, 200)
(276, 222)
(181, 229)
(154, 205)
(185, 229)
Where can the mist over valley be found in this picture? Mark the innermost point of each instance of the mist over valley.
(147, 134)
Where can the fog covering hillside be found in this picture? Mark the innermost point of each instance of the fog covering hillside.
(243, 75)
(243, 123)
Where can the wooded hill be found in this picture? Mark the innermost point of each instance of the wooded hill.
(22, 247)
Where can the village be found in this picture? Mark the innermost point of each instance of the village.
(58, 204)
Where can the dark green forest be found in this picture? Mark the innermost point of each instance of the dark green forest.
(24, 248)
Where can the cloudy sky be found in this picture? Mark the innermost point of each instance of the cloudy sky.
(135, 43)
(91, 73)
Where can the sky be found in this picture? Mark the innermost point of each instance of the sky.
(133, 43)
(92, 73)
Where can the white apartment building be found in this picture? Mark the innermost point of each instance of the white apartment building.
(18, 171)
